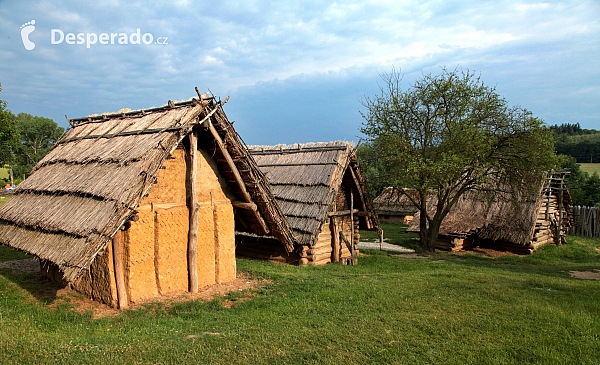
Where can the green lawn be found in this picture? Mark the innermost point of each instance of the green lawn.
(3, 173)
(590, 168)
(449, 309)
(393, 233)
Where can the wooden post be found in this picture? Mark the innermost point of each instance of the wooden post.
(560, 213)
(193, 207)
(352, 250)
(335, 242)
(117, 243)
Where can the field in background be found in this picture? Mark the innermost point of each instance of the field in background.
(3, 173)
(590, 168)
(451, 309)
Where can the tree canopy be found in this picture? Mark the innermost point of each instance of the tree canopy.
(448, 134)
(37, 135)
(24, 139)
(9, 136)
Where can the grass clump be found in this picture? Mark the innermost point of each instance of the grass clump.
(9, 254)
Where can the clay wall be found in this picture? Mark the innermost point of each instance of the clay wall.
(155, 246)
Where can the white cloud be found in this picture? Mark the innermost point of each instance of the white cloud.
(231, 44)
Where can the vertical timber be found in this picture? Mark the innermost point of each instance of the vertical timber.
(117, 243)
(193, 207)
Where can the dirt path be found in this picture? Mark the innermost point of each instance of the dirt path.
(385, 247)
(27, 265)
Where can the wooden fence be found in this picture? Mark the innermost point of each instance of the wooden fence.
(586, 221)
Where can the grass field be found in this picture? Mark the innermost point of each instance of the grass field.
(590, 168)
(448, 309)
(3, 173)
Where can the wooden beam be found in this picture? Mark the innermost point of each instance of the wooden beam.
(117, 243)
(341, 213)
(358, 185)
(230, 163)
(236, 174)
(352, 251)
(345, 240)
(335, 244)
(193, 206)
(244, 205)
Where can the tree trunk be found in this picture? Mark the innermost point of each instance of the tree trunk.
(424, 231)
(429, 233)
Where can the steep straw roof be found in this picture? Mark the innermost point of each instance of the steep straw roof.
(305, 179)
(92, 181)
(395, 201)
(496, 216)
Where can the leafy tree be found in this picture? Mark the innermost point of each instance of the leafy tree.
(575, 180)
(448, 134)
(37, 136)
(591, 187)
(373, 171)
(9, 137)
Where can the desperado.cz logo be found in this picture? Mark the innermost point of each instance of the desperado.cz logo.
(26, 30)
(57, 36)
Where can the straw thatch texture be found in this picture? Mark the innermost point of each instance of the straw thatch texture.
(83, 191)
(395, 201)
(85, 188)
(495, 215)
(305, 179)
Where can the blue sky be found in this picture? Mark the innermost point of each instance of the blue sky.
(297, 71)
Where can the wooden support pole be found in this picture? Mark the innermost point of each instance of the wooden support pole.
(340, 213)
(244, 205)
(238, 178)
(117, 243)
(559, 241)
(230, 163)
(193, 207)
(335, 243)
(352, 251)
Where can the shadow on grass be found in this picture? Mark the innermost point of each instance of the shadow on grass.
(40, 288)
(548, 260)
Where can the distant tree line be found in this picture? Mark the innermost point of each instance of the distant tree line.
(24, 140)
(572, 140)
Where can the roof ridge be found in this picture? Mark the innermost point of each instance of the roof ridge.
(300, 146)
(138, 112)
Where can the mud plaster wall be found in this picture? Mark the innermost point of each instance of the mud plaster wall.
(156, 245)
(98, 282)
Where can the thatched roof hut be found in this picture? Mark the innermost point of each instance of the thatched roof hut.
(393, 205)
(96, 179)
(502, 220)
(321, 190)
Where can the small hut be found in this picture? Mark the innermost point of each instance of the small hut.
(393, 205)
(504, 221)
(134, 205)
(321, 190)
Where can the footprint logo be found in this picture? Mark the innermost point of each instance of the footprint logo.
(26, 30)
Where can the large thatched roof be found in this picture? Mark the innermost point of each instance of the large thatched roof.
(395, 201)
(92, 181)
(495, 215)
(305, 179)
